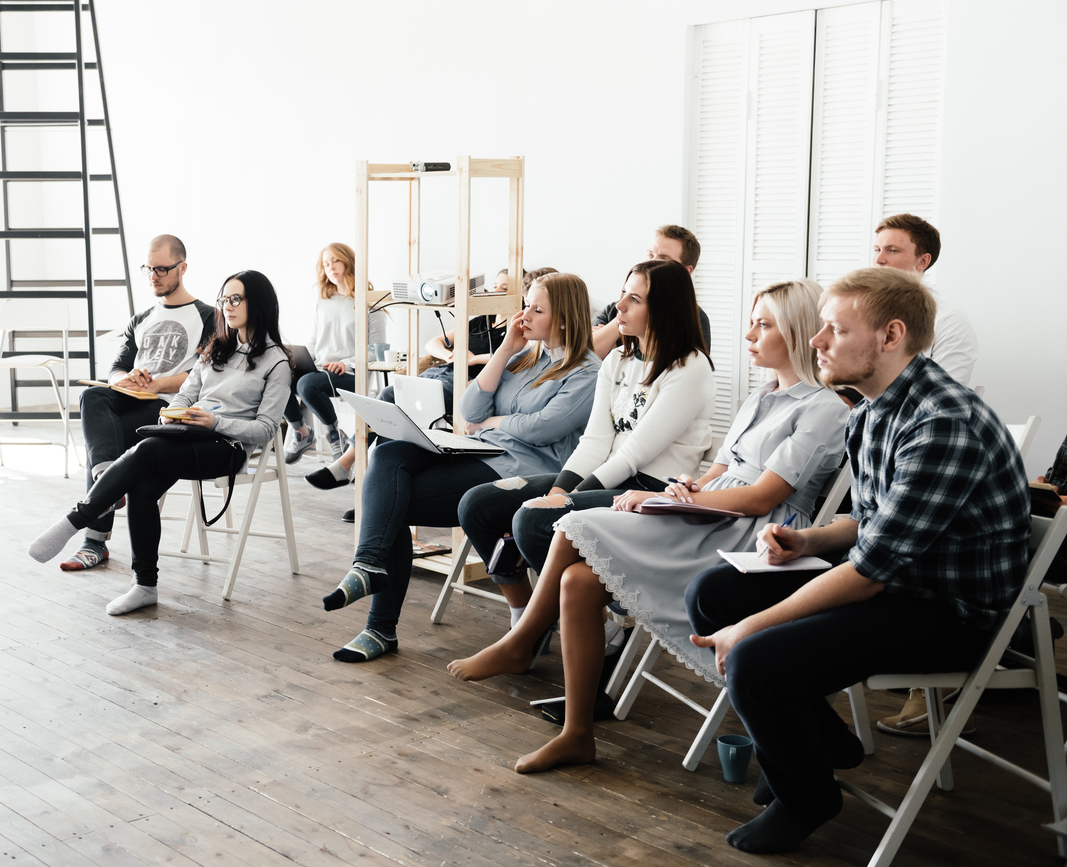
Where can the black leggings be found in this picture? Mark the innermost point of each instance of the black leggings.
(143, 475)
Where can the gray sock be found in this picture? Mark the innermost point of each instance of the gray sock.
(52, 541)
(138, 596)
(337, 471)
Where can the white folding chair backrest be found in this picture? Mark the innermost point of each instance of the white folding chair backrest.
(833, 493)
(1024, 434)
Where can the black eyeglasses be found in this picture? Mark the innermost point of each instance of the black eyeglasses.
(159, 270)
(232, 300)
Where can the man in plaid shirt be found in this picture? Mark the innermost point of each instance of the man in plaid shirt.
(937, 540)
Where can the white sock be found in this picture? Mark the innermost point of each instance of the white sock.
(138, 596)
(516, 613)
(52, 541)
(338, 471)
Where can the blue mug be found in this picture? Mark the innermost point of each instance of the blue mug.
(735, 752)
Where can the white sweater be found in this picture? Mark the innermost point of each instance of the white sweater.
(334, 335)
(661, 430)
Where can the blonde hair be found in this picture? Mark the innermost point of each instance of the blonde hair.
(884, 294)
(568, 298)
(794, 304)
(348, 257)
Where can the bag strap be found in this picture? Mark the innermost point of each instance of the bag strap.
(229, 489)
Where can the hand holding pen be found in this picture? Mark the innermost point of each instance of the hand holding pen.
(767, 537)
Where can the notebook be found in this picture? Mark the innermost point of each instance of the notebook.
(391, 421)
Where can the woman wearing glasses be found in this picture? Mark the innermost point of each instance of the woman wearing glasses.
(333, 346)
(236, 391)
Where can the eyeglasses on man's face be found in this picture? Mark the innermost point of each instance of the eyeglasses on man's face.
(159, 270)
(232, 300)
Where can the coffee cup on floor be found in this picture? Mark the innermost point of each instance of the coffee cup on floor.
(735, 752)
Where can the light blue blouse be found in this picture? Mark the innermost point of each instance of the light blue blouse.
(542, 425)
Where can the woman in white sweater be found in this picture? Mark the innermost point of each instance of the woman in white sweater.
(333, 347)
(651, 418)
(232, 401)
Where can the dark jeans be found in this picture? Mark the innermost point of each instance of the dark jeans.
(109, 426)
(316, 389)
(143, 475)
(778, 678)
(489, 511)
(404, 486)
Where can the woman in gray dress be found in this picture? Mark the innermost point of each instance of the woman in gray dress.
(784, 444)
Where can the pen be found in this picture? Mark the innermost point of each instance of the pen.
(761, 551)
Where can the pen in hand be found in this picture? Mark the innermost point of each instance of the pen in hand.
(761, 551)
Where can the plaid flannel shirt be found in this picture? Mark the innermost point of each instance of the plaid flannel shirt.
(1057, 473)
(940, 494)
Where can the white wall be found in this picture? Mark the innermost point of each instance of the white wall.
(237, 123)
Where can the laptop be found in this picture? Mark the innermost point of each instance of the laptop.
(422, 399)
(302, 360)
(391, 421)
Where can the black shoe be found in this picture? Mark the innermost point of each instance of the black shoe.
(603, 708)
(349, 517)
(324, 480)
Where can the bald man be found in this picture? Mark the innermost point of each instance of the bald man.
(157, 353)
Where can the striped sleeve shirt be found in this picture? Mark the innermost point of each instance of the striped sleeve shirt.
(940, 494)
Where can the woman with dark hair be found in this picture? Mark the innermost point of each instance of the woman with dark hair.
(786, 441)
(333, 347)
(651, 418)
(531, 400)
(232, 400)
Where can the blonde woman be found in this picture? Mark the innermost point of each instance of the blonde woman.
(333, 347)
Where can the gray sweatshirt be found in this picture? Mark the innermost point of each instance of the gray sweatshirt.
(247, 404)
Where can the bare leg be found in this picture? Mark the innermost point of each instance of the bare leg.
(348, 458)
(582, 601)
(517, 595)
(513, 653)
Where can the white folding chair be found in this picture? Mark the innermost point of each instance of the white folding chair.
(16, 316)
(454, 581)
(270, 467)
(833, 493)
(1024, 434)
(1038, 672)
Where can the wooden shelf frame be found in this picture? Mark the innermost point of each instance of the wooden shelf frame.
(466, 169)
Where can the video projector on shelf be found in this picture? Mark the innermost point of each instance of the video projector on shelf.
(433, 287)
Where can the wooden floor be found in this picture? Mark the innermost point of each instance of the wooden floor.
(203, 732)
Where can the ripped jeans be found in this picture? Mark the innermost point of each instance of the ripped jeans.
(488, 511)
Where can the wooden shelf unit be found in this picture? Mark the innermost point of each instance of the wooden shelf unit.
(466, 169)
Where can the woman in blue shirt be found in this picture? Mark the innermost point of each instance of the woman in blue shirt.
(532, 399)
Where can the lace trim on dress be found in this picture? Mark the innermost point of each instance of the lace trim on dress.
(631, 601)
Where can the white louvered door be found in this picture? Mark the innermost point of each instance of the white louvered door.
(805, 130)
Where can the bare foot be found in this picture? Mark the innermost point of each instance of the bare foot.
(562, 749)
(495, 659)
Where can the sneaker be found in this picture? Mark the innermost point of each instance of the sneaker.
(912, 720)
(338, 441)
(86, 557)
(298, 444)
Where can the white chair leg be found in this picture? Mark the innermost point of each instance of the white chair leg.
(707, 731)
(626, 659)
(287, 511)
(935, 719)
(459, 560)
(242, 536)
(1051, 722)
(861, 720)
(66, 421)
(626, 700)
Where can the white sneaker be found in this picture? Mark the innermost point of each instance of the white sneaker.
(338, 441)
(298, 444)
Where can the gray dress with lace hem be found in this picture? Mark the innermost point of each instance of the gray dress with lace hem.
(647, 561)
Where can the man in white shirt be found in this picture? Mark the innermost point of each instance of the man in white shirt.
(910, 243)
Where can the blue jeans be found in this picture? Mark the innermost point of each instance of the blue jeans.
(316, 389)
(109, 424)
(777, 678)
(489, 511)
(406, 485)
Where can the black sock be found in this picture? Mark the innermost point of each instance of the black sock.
(762, 794)
(774, 830)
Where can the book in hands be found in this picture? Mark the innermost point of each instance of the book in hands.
(668, 506)
(1044, 499)
(140, 395)
(750, 561)
(180, 413)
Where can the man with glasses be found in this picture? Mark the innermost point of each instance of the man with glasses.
(158, 350)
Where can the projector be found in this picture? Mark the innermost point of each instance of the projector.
(434, 287)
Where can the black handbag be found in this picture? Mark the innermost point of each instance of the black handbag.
(192, 434)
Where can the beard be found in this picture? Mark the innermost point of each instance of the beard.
(164, 290)
(862, 370)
